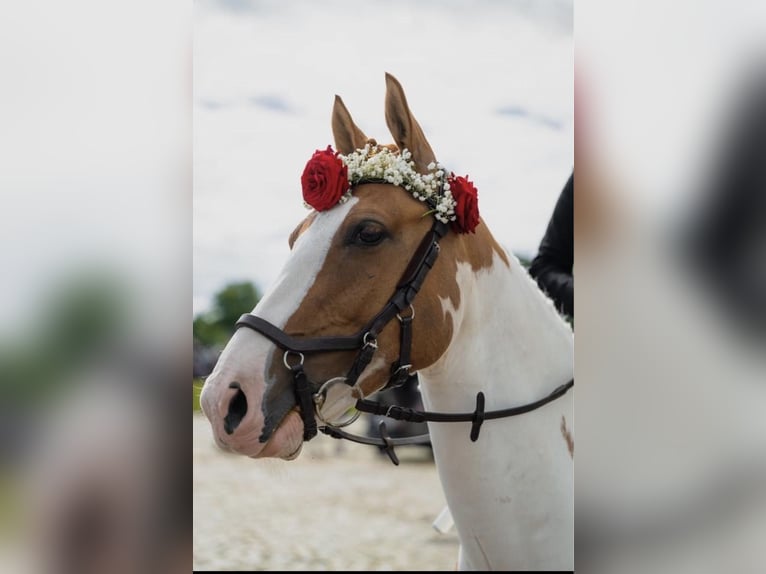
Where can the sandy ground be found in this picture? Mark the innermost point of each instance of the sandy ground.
(339, 506)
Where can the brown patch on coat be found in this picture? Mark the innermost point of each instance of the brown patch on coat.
(356, 282)
(479, 247)
(567, 436)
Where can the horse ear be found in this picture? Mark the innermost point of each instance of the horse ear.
(348, 137)
(404, 127)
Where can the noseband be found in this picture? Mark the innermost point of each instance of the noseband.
(309, 395)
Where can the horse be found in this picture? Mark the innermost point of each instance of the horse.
(477, 323)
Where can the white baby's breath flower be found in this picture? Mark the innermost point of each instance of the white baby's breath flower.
(379, 163)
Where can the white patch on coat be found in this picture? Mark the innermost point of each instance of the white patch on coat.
(511, 344)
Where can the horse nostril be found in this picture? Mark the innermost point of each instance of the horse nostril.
(237, 410)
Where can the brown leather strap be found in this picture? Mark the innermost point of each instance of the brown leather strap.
(303, 397)
(400, 369)
(360, 363)
(424, 255)
(477, 417)
(387, 444)
(303, 345)
(412, 279)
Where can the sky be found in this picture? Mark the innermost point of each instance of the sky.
(96, 156)
(490, 82)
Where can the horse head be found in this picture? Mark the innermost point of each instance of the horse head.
(347, 258)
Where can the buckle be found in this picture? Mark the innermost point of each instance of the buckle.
(372, 342)
(407, 318)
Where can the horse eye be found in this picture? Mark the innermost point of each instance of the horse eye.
(368, 235)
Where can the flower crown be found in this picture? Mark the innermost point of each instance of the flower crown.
(329, 178)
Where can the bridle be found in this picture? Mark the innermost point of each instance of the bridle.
(310, 396)
(366, 340)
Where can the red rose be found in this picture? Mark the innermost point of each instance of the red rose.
(466, 198)
(324, 180)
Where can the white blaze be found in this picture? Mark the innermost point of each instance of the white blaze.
(247, 351)
(302, 267)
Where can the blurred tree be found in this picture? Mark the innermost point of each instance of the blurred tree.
(82, 314)
(213, 328)
(233, 300)
(208, 332)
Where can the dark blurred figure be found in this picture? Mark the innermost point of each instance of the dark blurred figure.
(552, 266)
(726, 239)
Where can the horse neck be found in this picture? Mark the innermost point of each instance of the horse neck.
(509, 341)
(510, 492)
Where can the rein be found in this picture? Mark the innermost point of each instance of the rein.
(309, 396)
(476, 418)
